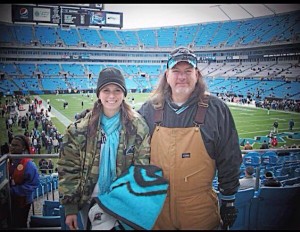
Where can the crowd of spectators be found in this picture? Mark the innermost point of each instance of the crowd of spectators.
(43, 135)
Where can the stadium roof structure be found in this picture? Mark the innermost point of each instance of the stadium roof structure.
(161, 15)
(137, 16)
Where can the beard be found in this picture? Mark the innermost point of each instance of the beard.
(183, 90)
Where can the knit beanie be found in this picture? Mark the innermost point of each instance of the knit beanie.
(111, 75)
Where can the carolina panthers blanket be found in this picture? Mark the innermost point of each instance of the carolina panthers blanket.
(136, 198)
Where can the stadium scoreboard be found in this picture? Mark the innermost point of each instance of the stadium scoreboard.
(67, 15)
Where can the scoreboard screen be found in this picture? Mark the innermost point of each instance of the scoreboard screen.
(84, 17)
(66, 15)
(71, 16)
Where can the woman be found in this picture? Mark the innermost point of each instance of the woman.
(24, 179)
(97, 148)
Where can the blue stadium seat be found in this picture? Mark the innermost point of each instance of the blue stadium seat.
(252, 159)
(51, 208)
(281, 178)
(44, 221)
(243, 200)
(291, 181)
(269, 158)
(297, 172)
(277, 208)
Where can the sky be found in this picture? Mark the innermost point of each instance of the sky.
(137, 16)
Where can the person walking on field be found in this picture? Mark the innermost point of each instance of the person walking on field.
(193, 137)
(275, 126)
(291, 124)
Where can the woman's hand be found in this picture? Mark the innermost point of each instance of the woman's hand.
(71, 221)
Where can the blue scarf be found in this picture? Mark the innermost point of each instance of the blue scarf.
(112, 128)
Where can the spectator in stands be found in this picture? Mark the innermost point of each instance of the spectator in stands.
(112, 125)
(275, 125)
(291, 124)
(264, 145)
(50, 166)
(24, 179)
(192, 134)
(41, 162)
(44, 167)
(248, 181)
(248, 146)
(270, 180)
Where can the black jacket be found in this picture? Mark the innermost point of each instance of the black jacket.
(218, 132)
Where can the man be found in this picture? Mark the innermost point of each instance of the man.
(270, 180)
(264, 145)
(192, 135)
(248, 146)
(248, 181)
(24, 179)
(275, 125)
(274, 141)
(291, 124)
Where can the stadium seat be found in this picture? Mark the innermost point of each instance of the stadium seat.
(44, 221)
(297, 172)
(291, 181)
(277, 208)
(51, 208)
(243, 200)
(269, 158)
(281, 178)
(252, 159)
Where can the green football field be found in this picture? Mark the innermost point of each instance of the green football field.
(253, 124)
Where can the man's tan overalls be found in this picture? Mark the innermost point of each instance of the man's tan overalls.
(191, 202)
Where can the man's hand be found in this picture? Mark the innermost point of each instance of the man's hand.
(228, 214)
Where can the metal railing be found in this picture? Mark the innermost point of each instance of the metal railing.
(4, 169)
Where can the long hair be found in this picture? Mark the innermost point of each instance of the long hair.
(164, 90)
(127, 115)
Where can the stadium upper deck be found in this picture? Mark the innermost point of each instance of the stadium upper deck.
(48, 58)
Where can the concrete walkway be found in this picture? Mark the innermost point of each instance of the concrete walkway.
(63, 119)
